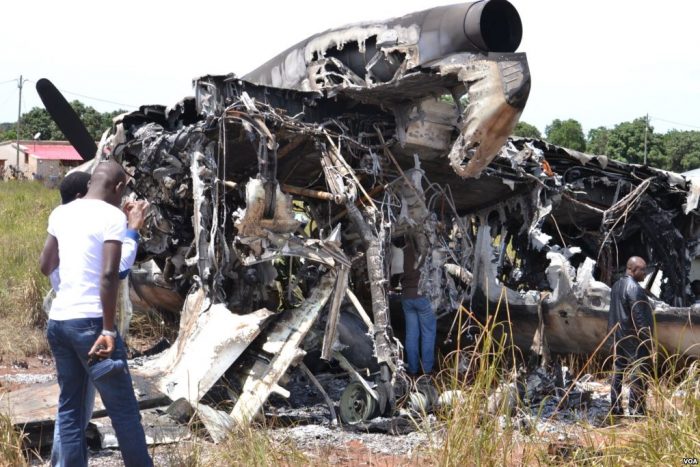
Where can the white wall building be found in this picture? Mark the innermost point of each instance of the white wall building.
(41, 160)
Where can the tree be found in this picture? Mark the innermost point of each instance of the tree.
(682, 150)
(567, 133)
(38, 120)
(526, 130)
(95, 122)
(8, 135)
(626, 143)
(598, 140)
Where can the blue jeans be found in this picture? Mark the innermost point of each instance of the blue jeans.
(70, 342)
(56, 454)
(421, 325)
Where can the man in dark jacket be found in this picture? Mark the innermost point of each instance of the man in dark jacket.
(630, 316)
(421, 321)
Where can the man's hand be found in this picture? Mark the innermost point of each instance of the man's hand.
(135, 213)
(102, 348)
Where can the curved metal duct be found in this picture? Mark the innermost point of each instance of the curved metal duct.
(417, 38)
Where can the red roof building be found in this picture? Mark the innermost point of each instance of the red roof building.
(53, 152)
(41, 160)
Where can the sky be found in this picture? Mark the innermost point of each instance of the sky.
(600, 62)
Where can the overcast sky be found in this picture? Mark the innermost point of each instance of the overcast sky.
(598, 61)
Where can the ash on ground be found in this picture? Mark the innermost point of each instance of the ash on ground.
(304, 419)
(543, 407)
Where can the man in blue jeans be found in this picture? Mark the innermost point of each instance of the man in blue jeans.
(85, 238)
(421, 322)
(75, 186)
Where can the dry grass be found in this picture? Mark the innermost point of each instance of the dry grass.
(24, 211)
(11, 453)
(671, 432)
(469, 435)
(252, 446)
(248, 446)
(149, 327)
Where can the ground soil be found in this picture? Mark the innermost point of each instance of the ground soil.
(303, 421)
(312, 434)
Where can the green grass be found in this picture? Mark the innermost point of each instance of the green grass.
(24, 211)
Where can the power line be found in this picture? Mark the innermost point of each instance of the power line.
(674, 123)
(9, 95)
(9, 81)
(96, 98)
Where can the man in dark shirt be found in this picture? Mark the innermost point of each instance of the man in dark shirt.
(421, 322)
(695, 289)
(631, 317)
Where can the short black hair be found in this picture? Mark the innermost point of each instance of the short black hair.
(695, 287)
(74, 184)
(399, 242)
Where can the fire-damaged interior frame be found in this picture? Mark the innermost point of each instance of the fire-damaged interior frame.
(288, 205)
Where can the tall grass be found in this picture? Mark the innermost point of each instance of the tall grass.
(24, 211)
(671, 431)
(472, 433)
(481, 376)
(11, 454)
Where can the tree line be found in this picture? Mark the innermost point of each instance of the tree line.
(38, 120)
(674, 150)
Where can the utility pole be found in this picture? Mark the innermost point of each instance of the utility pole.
(646, 128)
(19, 114)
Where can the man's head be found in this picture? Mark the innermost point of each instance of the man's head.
(74, 186)
(636, 268)
(108, 182)
(695, 287)
(399, 242)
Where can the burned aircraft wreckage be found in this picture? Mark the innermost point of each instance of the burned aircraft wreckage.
(276, 199)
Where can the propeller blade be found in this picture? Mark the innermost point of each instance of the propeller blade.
(67, 120)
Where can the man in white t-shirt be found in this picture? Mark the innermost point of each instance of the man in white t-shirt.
(85, 239)
(75, 186)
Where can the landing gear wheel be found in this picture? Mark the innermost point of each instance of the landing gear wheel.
(386, 403)
(357, 405)
(424, 399)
